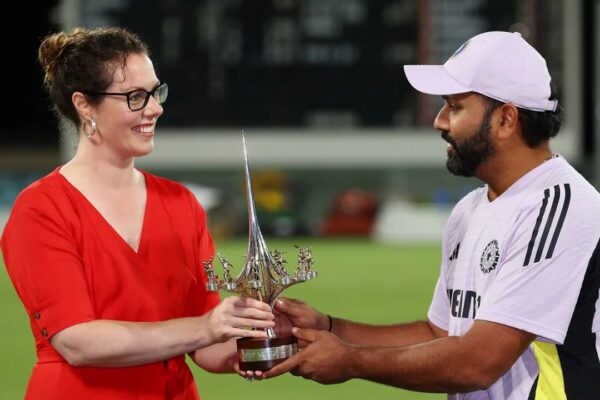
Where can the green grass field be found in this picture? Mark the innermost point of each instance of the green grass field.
(358, 280)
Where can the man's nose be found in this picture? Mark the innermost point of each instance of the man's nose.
(440, 123)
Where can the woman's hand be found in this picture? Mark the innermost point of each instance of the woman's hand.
(234, 317)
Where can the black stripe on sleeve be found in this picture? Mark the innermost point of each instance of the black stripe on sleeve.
(538, 222)
(561, 220)
(578, 355)
(533, 390)
(540, 249)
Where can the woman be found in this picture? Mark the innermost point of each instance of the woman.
(108, 259)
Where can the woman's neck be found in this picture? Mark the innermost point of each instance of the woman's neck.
(103, 169)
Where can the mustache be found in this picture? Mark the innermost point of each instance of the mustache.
(447, 138)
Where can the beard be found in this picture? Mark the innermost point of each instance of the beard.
(470, 153)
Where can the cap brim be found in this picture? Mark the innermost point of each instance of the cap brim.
(433, 79)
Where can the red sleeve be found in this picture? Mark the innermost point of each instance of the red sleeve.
(43, 262)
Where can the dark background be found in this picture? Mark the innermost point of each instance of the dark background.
(210, 88)
(27, 119)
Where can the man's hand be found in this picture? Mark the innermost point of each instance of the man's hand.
(324, 358)
(292, 312)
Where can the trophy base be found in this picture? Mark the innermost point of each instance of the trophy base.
(263, 354)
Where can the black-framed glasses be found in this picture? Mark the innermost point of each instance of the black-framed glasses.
(138, 99)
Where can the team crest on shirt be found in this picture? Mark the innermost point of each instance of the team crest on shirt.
(489, 257)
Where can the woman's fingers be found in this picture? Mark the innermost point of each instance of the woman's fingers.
(249, 302)
(247, 307)
(250, 333)
(253, 313)
(235, 315)
(251, 323)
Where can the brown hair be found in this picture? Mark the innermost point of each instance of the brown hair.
(84, 61)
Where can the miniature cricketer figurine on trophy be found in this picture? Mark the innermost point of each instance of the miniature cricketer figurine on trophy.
(263, 277)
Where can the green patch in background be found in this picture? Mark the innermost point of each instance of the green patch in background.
(358, 280)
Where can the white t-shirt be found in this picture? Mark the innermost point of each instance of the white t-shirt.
(520, 261)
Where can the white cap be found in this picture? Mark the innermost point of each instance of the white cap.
(500, 65)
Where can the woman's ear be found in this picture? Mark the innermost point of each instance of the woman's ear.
(82, 105)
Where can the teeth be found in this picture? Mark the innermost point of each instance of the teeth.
(145, 129)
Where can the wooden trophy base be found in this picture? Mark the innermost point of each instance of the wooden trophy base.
(263, 354)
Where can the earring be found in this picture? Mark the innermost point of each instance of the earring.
(93, 126)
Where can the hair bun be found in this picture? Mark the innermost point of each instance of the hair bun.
(52, 49)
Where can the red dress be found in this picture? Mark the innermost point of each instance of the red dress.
(68, 266)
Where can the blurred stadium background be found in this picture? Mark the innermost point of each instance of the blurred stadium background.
(342, 149)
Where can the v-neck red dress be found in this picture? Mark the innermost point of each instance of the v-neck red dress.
(69, 266)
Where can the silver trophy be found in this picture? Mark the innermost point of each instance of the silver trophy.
(263, 277)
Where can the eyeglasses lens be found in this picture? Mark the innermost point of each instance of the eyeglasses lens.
(139, 98)
(161, 93)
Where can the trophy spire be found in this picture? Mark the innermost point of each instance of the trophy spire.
(258, 259)
(263, 277)
(253, 228)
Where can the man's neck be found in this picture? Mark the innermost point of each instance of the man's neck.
(503, 170)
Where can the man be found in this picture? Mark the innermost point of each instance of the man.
(513, 315)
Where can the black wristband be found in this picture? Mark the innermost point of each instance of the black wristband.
(330, 323)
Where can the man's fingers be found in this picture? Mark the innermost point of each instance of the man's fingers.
(282, 304)
(307, 335)
(287, 305)
(283, 367)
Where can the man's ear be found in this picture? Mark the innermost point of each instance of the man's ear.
(82, 105)
(509, 120)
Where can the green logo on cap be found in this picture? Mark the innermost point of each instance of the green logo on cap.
(461, 48)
